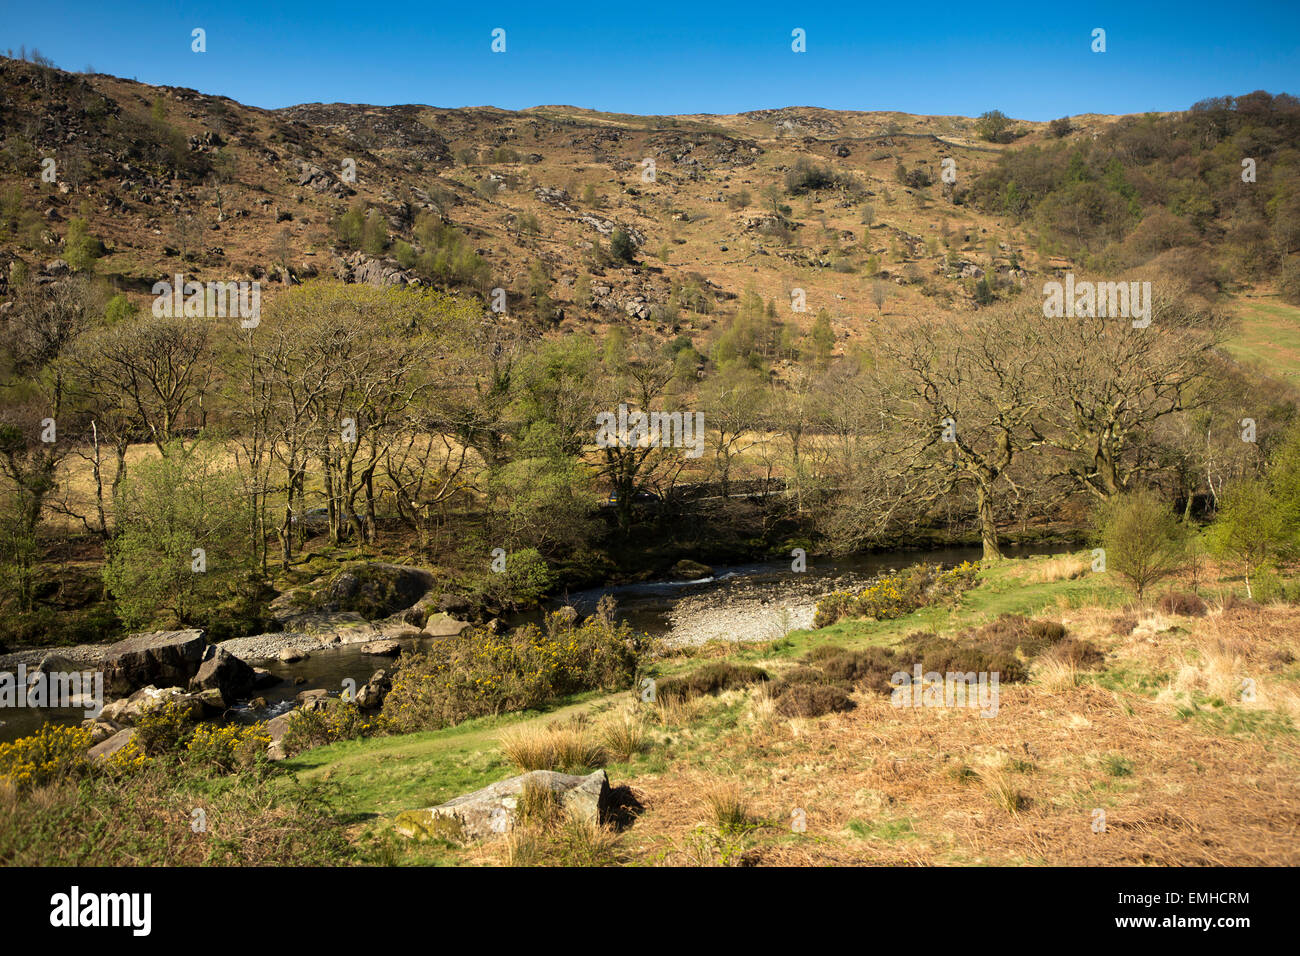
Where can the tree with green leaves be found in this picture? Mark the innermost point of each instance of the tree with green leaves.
(181, 544)
(992, 125)
(821, 339)
(1142, 538)
(621, 247)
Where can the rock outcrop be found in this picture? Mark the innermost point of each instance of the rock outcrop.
(226, 673)
(161, 658)
(494, 809)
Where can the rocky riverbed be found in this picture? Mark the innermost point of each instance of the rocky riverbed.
(759, 607)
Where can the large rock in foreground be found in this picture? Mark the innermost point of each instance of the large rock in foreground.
(161, 658)
(493, 810)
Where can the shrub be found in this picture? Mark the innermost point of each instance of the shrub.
(710, 679)
(1142, 538)
(229, 748)
(811, 699)
(55, 752)
(165, 729)
(870, 668)
(1060, 127)
(1124, 625)
(1077, 653)
(893, 595)
(481, 673)
(315, 728)
(1182, 602)
(621, 247)
(806, 176)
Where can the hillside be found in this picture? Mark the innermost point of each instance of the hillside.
(172, 180)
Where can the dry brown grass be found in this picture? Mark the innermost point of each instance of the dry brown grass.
(886, 785)
(567, 748)
(1064, 567)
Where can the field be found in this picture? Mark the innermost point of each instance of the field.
(1269, 337)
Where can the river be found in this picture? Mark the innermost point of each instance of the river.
(750, 602)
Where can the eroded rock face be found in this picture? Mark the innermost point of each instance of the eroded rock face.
(493, 810)
(162, 658)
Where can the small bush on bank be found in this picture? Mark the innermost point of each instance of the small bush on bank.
(1181, 602)
(53, 753)
(229, 748)
(710, 679)
(893, 595)
(315, 728)
(812, 699)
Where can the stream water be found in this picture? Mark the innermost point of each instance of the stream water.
(747, 602)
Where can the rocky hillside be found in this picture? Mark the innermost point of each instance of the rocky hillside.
(870, 216)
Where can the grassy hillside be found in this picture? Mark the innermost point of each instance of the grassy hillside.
(1157, 736)
(1269, 337)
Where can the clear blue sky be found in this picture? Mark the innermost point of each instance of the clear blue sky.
(1031, 60)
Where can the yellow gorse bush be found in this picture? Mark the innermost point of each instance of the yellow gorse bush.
(893, 595)
(483, 673)
(228, 747)
(52, 753)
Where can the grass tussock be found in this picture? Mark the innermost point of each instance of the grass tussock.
(566, 748)
(625, 736)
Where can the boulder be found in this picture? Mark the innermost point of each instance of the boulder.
(375, 590)
(276, 728)
(494, 809)
(112, 745)
(370, 696)
(311, 701)
(688, 570)
(443, 625)
(290, 655)
(382, 648)
(455, 605)
(225, 672)
(129, 710)
(264, 678)
(213, 701)
(167, 658)
(100, 729)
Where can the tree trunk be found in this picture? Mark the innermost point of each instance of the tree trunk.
(988, 526)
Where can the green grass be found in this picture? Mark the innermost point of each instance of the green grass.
(1215, 714)
(883, 829)
(1000, 591)
(1269, 336)
(385, 775)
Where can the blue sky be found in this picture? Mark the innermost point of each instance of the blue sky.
(1031, 60)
